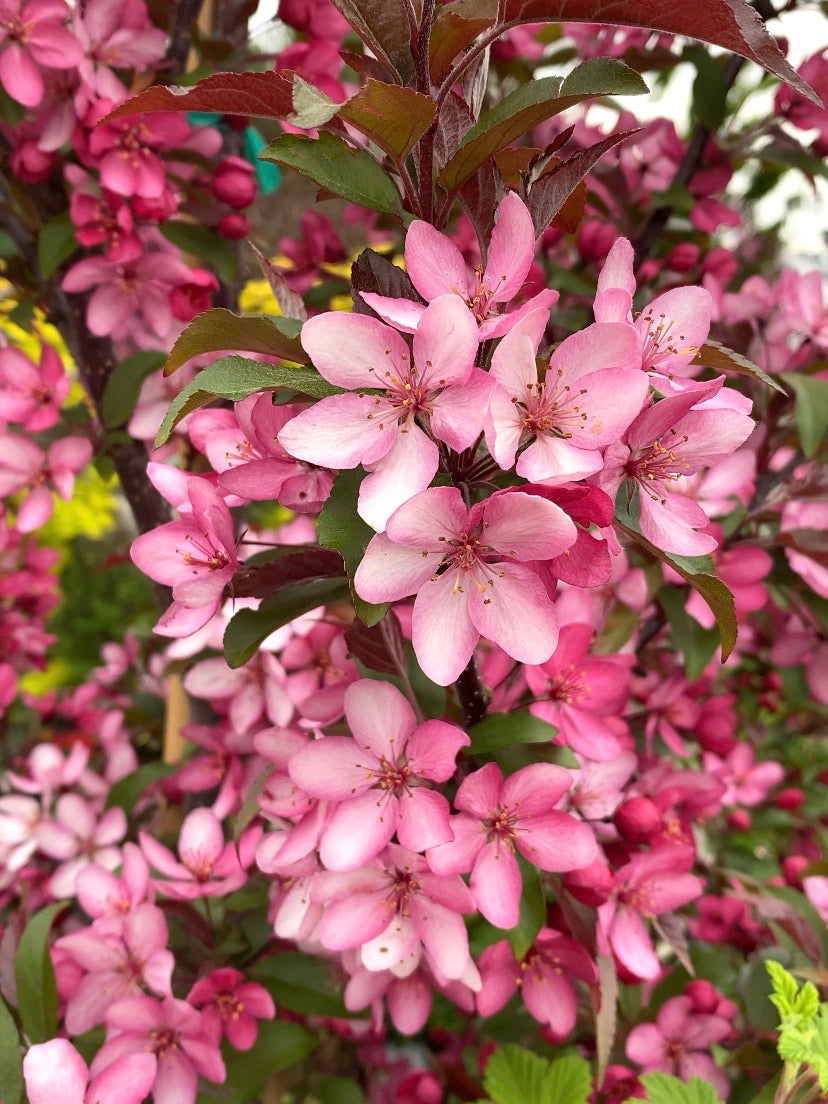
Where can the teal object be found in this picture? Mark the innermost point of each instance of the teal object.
(268, 175)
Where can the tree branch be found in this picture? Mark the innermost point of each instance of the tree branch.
(474, 700)
(181, 38)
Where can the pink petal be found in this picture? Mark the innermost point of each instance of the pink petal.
(339, 432)
(389, 572)
(20, 76)
(496, 885)
(445, 344)
(514, 612)
(353, 350)
(511, 249)
(442, 631)
(556, 842)
(632, 944)
(535, 789)
(444, 936)
(527, 527)
(433, 748)
(550, 998)
(424, 819)
(380, 718)
(334, 768)
(358, 830)
(127, 1081)
(402, 314)
(407, 468)
(434, 262)
(55, 1071)
(352, 921)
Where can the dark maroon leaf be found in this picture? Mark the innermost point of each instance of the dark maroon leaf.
(369, 646)
(393, 117)
(267, 95)
(383, 26)
(365, 65)
(480, 195)
(549, 193)
(290, 303)
(453, 124)
(263, 580)
(372, 272)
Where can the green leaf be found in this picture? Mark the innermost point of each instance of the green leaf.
(220, 330)
(662, 1088)
(265, 95)
(687, 636)
(333, 164)
(123, 385)
(515, 1075)
(126, 792)
(311, 107)
(55, 242)
(390, 115)
(279, 1044)
(338, 1090)
(811, 410)
(530, 104)
(300, 983)
(191, 237)
(11, 1066)
(570, 1081)
(235, 377)
(710, 87)
(504, 730)
(341, 528)
(36, 989)
(696, 570)
(721, 359)
(248, 628)
(785, 987)
(532, 911)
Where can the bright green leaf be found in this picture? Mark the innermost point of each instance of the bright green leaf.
(504, 730)
(710, 87)
(603, 76)
(279, 1044)
(11, 1068)
(235, 377)
(311, 107)
(249, 628)
(36, 989)
(687, 636)
(333, 164)
(811, 410)
(192, 237)
(338, 1090)
(220, 330)
(55, 242)
(662, 1088)
(123, 386)
(515, 1075)
(532, 911)
(341, 528)
(569, 1081)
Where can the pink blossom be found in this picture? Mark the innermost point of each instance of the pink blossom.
(25, 466)
(19, 820)
(592, 390)
(121, 956)
(500, 816)
(467, 568)
(747, 782)
(115, 34)
(379, 428)
(544, 976)
(436, 267)
(377, 777)
(679, 1043)
(232, 1006)
(209, 867)
(102, 893)
(175, 1033)
(55, 1071)
(196, 556)
(78, 836)
(31, 396)
(33, 35)
(648, 885)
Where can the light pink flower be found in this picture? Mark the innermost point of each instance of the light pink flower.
(467, 568)
(500, 816)
(54, 1071)
(747, 782)
(209, 867)
(592, 390)
(79, 836)
(25, 466)
(389, 393)
(436, 267)
(101, 893)
(377, 778)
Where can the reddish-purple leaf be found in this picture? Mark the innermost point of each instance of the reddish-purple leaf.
(383, 26)
(369, 646)
(263, 580)
(549, 193)
(373, 272)
(393, 117)
(267, 95)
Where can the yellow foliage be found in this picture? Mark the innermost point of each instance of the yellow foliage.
(90, 513)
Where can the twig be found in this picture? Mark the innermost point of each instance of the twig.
(181, 39)
(474, 700)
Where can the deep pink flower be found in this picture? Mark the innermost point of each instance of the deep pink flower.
(679, 1043)
(25, 466)
(436, 267)
(196, 556)
(33, 35)
(467, 568)
(377, 777)
(54, 1071)
(232, 1006)
(500, 816)
(31, 396)
(376, 423)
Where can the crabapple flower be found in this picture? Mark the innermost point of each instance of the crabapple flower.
(209, 867)
(436, 267)
(196, 556)
(674, 437)
(175, 1032)
(55, 1071)
(25, 466)
(679, 1043)
(33, 35)
(78, 837)
(30, 395)
(543, 975)
(500, 816)
(592, 390)
(377, 777)
(467, 568)
(231, 1006)
(377, 422)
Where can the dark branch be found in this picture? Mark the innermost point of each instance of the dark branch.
(473, 698)
(181, 37)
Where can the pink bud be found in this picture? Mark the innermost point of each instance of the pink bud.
(595, 239)
(704, 997)
(32, 164)
(234, 183)
(637, 819)
(792, 867)
(233, 226)
(592, 885)
(683, 257)
(739, 820)
(789, 799)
